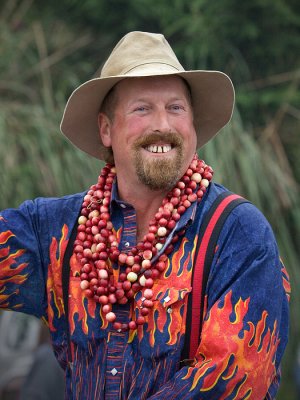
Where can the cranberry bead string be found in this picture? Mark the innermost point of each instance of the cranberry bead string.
(96, 246)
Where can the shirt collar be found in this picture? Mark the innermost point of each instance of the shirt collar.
(186, 220)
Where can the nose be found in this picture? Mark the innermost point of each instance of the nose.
(161, 121)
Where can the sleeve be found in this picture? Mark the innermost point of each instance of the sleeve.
(22, 268)
(245, 328)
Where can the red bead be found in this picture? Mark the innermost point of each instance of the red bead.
(100, 291)
(150, 237)
(163, 222)
(87, 268)
(136, 287)
(81, 235)
(112, 289)
(160, 266)
(148, 245)
(78, 249)
(130, 294)
(149, 283)
(148, 293)
(136, 268)
(112, 298)
(155, 273)
(181, 210)
(89, 293)
(186, 203)
(93, 274)
(148, 273)
(126, 286)
(132, 325)
(84, 276)
(122, 276)
(171, 224)
(175, 201)
(152, 229)
(144, 311)
(123, 300)
(148, 303)
(103, 299)
(140, 320)
(94, 281)
(120, 293)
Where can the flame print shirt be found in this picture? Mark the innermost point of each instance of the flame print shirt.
(245, 327)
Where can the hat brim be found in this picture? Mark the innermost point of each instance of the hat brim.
(212, 95)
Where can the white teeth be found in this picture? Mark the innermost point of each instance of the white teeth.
(159, 149)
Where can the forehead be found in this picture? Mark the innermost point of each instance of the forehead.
(153, 84)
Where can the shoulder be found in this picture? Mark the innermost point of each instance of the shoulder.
(43, 213)
(245, 222)
(57, 205)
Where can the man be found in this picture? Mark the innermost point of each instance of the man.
(118, 320)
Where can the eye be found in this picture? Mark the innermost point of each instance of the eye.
(176, 107)
(141, 109)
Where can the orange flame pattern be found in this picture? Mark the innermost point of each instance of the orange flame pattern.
(78, 302)
(9, 272)
(54, 287)
(175, 283)
(286, 281)
(237, 352)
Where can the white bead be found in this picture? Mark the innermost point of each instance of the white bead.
(103, 274)
(132, 276)
(196, 177)
(111, 317)
(94, 213)
(142, 280)
(159, 246)
(162, 231)
(204, 182)
(84, 284)
(82, 220)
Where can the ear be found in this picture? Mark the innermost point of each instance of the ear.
(104, 126)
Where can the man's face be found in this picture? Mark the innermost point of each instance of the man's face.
(152, 133)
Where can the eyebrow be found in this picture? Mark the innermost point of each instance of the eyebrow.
(144, 99)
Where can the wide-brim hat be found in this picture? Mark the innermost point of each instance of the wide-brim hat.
(141, 54)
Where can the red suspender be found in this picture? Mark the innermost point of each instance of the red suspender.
(207, 240)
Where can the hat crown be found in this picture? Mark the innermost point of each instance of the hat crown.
(141, 51)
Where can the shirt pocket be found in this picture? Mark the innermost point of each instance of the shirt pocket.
(165, 324)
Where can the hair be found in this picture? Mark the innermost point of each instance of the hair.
(109, 103)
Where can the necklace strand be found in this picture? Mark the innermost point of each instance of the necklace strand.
(96, 246)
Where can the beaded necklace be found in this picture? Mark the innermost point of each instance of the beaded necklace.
(96, 246)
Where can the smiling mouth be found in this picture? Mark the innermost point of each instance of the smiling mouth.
(153, 148)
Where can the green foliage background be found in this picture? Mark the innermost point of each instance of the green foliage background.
(49, 48)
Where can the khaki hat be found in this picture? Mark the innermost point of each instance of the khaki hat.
(140, 54)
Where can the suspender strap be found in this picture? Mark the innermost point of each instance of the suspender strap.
(65, 285)
(205, 251)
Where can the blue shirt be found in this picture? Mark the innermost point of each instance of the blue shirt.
(245, 328)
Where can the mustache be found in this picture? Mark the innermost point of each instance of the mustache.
(152, 138)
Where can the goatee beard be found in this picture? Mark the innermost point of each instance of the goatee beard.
(159, 174)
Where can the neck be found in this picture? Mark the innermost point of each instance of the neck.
(145, 202)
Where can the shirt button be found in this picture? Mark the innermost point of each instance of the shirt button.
(126, 244)
(123, 205)
(114, 371)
